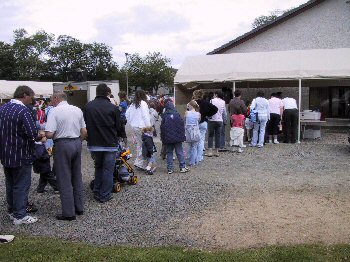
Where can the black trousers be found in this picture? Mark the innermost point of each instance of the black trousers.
(290, 125)
(272, 125)
(45, 178)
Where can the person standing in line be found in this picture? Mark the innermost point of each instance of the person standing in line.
(172, 132)
(192, 117)
(103, 125)
(261, 106)
(276, 110)
(215, 124)
(149, 149)
(206, 110)
(123, 106)
(224, 122)
(290, 120)
(66, 126)
(237, 131)
(138, 117)
(18, 132)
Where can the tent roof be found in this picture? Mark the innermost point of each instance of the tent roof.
(7, 88)
(277, 65)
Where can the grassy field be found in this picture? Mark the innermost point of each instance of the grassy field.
(48, 249)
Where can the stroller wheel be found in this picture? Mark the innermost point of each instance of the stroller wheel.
(92, 184)
(117, 187)
(133, 180)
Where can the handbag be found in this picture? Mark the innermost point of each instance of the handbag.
(193, 133)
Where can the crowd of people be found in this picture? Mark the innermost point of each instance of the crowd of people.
(29, 129)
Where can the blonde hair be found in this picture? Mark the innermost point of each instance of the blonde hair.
(147, 129)
(197, 94)
(193, 104)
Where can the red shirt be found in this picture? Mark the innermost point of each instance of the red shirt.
(238, 120)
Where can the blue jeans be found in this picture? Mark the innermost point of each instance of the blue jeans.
(18, 182)
(203, 129)
(223, 136)
(261, 124)
(179, 153)
(214, 127)
(193, 152)
(104, 169)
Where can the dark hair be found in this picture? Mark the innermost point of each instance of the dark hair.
(102, 90)
(237, 93)
(122, 95)
(23, 90)
(139, 96)
(220, 95)
(273, 94)
(260, 94)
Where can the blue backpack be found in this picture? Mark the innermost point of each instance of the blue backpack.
(253, 115)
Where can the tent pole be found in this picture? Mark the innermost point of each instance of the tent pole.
(174, 94)
(299, 111)
(234, 88)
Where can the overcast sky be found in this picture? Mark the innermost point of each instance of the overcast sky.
(175, 28)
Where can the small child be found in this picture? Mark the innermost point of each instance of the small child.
(149, 149)
(172, 132)
(249, 125)
(193, 136)
(237, 131)
(41, 165)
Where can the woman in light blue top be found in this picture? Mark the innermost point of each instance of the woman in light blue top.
(261, 106)
(192, 118)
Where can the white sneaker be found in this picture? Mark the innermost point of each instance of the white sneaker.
(11, 216)
(25, 220)
(270, 141)
(243, 146)
(275, 141)
(240, 150)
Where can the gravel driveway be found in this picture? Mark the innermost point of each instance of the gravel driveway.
(281, 194)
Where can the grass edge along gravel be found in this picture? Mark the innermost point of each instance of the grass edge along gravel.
(25, 248)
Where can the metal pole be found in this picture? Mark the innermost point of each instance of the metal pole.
(299, 110)
(127, 78)
(234, 88)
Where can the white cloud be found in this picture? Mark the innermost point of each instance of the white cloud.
(176, 28)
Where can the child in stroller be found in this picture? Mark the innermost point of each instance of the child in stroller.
(123, 172)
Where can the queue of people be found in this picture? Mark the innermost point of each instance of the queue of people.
(102, 123)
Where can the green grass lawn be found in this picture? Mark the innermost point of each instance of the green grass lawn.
(48, 249)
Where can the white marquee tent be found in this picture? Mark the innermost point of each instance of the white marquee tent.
(7, 88)
(265, 66)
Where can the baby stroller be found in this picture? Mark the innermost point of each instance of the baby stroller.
(123, 172)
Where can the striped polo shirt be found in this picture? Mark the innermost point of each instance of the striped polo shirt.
(17, 134)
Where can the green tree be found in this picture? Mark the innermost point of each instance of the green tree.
(100, 64)
(150, 72)
(30, 54)
(265, 19)
(7, 62)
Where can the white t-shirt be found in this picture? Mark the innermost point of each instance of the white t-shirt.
(65, 121)
(275, 105)
(138, 117)
(220, 104)
(289, 103)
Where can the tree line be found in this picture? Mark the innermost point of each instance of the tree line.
(42, 57)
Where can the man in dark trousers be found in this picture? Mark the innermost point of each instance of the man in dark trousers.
(104, 128)
(17, 135)
(290, 120)
(66, 125)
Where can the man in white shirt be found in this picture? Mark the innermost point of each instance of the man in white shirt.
(66, 126)
(290, 120)
(276, 110)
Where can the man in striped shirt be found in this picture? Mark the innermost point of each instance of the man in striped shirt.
(17, 134)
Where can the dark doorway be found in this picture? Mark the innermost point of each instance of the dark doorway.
(331, 101)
